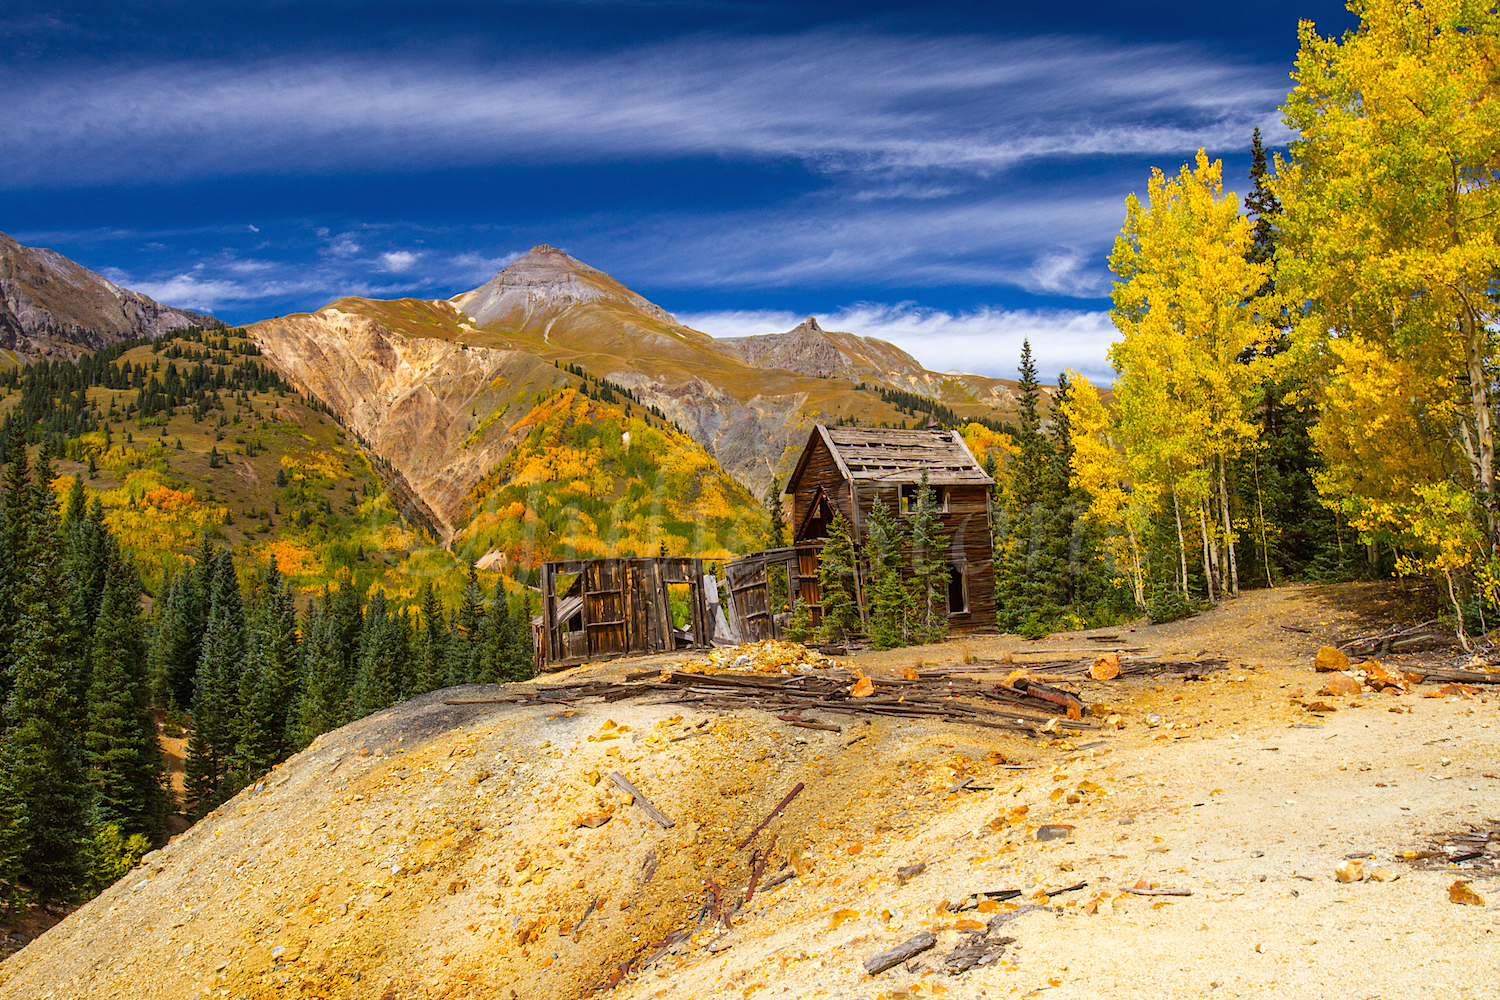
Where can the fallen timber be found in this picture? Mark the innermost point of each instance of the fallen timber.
(950, 697)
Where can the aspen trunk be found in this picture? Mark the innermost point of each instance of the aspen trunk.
(1234, 569)
(1181, 539)
(1208, 568)
(1479, 405)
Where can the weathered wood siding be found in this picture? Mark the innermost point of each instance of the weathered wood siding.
(822, 471)
(965, 529)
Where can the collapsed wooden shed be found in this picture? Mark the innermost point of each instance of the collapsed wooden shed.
(620, 607)
(842, 470)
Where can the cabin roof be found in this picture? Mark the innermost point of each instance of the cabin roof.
(889, 455)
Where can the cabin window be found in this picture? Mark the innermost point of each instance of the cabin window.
(909, 498)
(958, 589)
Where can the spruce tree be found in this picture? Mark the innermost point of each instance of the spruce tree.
(269, 678)
(775, 515)
(121, 748)
(929, 568)
(216, 694)
(15, 547)
(432, 645)
(470, 635)
(378, 681)
(890, 601)
(44, 799)
(836, 569)
(323, 697)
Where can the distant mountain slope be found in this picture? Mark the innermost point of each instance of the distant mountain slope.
(426, 383)
(52, 307)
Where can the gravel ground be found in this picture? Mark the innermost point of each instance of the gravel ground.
(435, 850)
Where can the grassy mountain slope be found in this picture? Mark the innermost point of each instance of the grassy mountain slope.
(164, 477)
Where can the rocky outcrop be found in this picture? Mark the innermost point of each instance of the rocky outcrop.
(811, 350)
(51, 307)
(544, 283)
(419, 403)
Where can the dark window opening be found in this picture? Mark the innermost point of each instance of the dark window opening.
(909, 498)
(958, 591)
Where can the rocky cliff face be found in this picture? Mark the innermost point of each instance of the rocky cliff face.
(418, 403)
(51, 307)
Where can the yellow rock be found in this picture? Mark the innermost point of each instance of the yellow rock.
(1329, 660)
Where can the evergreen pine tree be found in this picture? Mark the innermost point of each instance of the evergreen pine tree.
(776, 515)
(216, 693)
(836, 569)
(269, 678)
(121, 748)
(432, 645)
(323, 697)
(929, 568)
(470, 635)
(15, 547)
(890, 602)
(44, 799)
(378, 682)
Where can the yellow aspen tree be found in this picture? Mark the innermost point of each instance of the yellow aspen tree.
(1122, 508)
(1389, 236)
(1188, 358)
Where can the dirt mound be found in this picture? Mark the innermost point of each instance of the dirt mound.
(481, 850)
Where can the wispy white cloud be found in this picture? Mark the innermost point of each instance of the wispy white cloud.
(985, 341)
(876, 108)
(398, 261)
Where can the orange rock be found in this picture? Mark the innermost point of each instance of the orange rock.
(1459, 892)
(1106, 667)
(1350, 871)
(594, 820)
(910, 674)
(1379, 678)
(1455, 690)
(1329, 660)
(863, 687)
(1339, 685)
(1321, 706)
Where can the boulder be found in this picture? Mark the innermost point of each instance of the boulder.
(1329, 660)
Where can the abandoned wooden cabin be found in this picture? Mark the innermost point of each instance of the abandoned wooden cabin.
(620, 607)
(843, 470)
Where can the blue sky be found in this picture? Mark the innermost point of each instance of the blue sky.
(947, 176)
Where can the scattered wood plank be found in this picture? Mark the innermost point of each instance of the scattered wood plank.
(640, 799)
(796, 790)
(906, 950)
(1160, 892)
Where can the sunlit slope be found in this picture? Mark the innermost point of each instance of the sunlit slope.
(255, 466)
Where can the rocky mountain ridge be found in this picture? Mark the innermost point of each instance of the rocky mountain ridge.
(52, 307)
(749, 401)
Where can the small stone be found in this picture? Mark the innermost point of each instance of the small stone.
(594, 820)
(1054, 832)
(187, 949)
(1459, 892)
(1350, 871)
(1382, 875)
(1329, 660)
(278, 951)
(1321, 707)
(1153, 720)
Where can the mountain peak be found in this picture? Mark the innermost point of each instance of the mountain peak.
(548, 280)
(51, 306)
(809, 325)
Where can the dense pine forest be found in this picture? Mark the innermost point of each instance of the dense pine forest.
(86, 674)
